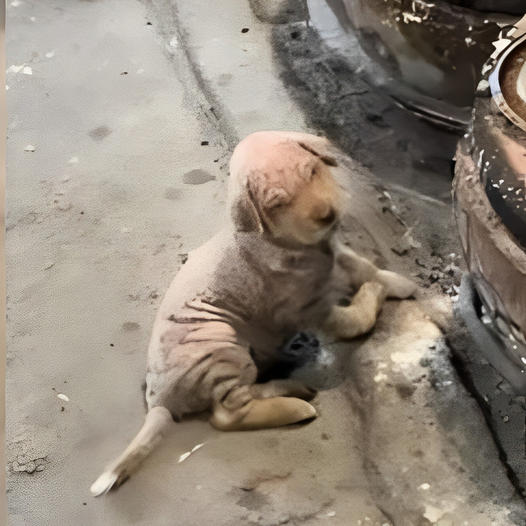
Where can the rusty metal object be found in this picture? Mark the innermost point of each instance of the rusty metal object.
(508, 82)
(430, 51)
(490, 201)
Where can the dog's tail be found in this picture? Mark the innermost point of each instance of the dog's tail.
(156, 421)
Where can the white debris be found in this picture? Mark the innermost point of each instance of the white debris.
(198, 487)
(15, 3)
(380, 377)
(479, 162)
(49, 265)
(6, 87)
(14, 68)
(331, 514)
(469, 41)
(424, 487)
(140, 71)
(27, 70)
(174, 42)
(63, 397)
(184, 456)
(433, 514)
(486, 68)
(50, 54)
(73, 160)
(410, 17)
(405, 358)
(32, 18)
(29, 148)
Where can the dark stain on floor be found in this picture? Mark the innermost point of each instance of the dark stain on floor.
(197, 176)
(100, 133)
(173, 194)
(130, 326)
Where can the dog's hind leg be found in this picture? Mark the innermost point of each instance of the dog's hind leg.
(360, 316)
(156, 421)
(240, 410)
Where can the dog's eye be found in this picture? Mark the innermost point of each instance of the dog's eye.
(276, 198)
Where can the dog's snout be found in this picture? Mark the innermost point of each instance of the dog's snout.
(328, 218)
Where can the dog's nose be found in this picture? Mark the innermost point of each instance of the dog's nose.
(328, 218)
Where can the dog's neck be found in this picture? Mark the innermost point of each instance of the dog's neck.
(246, 238)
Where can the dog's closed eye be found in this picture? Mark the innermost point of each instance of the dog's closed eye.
(275, 198)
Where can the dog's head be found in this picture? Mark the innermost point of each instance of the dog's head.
(281, 183)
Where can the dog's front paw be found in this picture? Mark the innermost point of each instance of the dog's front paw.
(396, 286)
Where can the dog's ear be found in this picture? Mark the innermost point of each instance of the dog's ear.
(319, 146)
(245, 214)
(322, 153)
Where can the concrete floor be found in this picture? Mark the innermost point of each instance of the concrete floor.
(131, 126)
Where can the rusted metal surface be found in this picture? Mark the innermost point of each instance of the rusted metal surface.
(508, 82)
(496, 261)
(489, 196)
(431, 52)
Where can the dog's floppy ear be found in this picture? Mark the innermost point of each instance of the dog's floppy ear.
(245, 214)
(318, 146)
(325, 157)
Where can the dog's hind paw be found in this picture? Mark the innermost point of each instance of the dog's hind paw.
(104, 483)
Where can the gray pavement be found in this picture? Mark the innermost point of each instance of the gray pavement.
(117, 148)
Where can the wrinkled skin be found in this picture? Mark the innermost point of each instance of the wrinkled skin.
(277, 269)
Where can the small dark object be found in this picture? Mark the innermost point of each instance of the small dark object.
(111, 345)
(295, 35)
(124, 73)
(82, 213)
(62, 409)
(302, 348)
(204, 143)
(244, 30)
(148, 23)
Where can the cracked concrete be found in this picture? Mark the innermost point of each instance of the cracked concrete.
(100, 216)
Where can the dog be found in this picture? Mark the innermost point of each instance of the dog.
(277, 268)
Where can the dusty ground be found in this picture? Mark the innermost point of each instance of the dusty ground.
(131, 110)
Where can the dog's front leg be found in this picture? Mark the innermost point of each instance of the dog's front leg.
(361, 270)
(360, 316)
